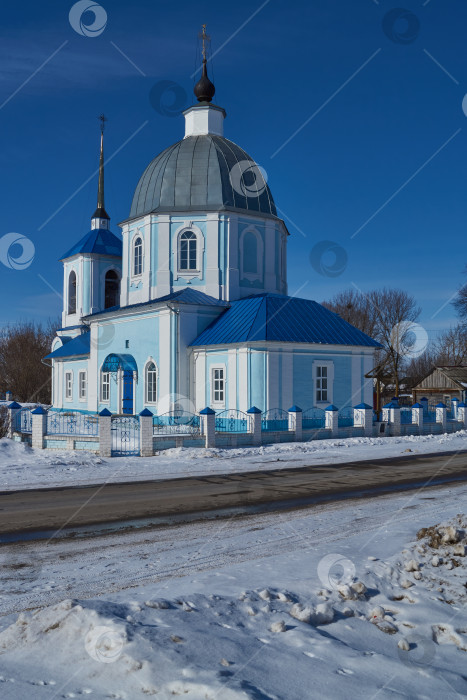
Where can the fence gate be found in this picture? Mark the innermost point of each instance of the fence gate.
(125, 436)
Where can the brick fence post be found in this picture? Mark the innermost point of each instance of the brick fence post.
(363, 418)
(39, 426)
(454, 407)
(296, 422)
(441, 415)
(417, 417)
(105, 433)
(331, 419)
(13, 410)
(255, 425)
(394, 414)
(146, 443)
(208, 418)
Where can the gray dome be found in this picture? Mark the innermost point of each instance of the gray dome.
(202, 173)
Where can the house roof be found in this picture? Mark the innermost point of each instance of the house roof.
(99, 241)
(76, 347)
(274, 317)
(181, 296)
(457, 374)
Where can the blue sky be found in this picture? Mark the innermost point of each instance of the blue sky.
(378, 165)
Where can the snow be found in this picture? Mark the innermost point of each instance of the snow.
(23, 467)
(308, 603)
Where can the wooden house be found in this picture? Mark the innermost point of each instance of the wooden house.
(443, 384)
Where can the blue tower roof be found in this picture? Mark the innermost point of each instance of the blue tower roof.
(100, 241)
(273, 317)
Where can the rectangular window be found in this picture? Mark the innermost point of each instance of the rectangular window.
(321, 383)
(105, 386)
(218, 385)
(82, 380)
(68, 385)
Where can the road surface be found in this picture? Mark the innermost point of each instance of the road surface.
(68, 507)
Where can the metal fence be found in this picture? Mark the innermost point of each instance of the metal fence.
(125, 436)
(275, 419)
(406, 416)
(72, 424)
(22, 421)
(176, 423)
(345, 418)
(232, 421)
(313, 419)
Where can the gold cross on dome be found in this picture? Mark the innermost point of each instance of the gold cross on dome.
(205, 37)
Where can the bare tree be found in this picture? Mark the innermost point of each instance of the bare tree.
(22, 347)
(387, 315)
(451, 346)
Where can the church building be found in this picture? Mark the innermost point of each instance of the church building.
(188, 307)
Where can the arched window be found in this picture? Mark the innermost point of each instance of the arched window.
(138, 256)
(250, 253)
(72, 292)
(112, 289)
(187, 254)
(151, 383)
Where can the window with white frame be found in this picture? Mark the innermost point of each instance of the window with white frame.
(321, 383)
(83, 384)
(187, 251)
(68, 385)
(138, 256)
(218, 385)
(105, 386)
(151, 383)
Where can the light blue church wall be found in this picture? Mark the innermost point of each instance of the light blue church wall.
(216, 359)
(176, 224)
(303, 380)
(74, 366)
(142, 334)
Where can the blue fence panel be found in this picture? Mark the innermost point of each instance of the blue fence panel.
(232, 421)
(176, 423)
(22, 421)
(72, 424)
(345, 418)
(274, 420)
(406, 416)
(313, 419)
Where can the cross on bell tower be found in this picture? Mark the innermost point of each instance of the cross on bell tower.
(100, 217)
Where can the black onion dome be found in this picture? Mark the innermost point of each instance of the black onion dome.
(202, 173)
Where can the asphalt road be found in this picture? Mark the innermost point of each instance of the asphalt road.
(68, 507)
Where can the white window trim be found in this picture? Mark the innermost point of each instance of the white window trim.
(218, 404)
(68, 312)
(138, 234)
(146, 384)
(258, 275)
(102, 400)
(190, 274)
(68, 372)
(330, 367)
(80, 373)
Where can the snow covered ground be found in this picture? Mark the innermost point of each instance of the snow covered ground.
(336, 601)
(22, 467)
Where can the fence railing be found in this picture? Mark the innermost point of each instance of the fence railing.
(176, 423)
(406, 416)
(232, 421)
(72, 424)
(22, 422)
(274, 420)
(345, 418)
(313, 419)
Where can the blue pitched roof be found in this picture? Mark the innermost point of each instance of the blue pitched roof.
(100, 241)
(186, 295)
(73, 348)
(273, 317)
